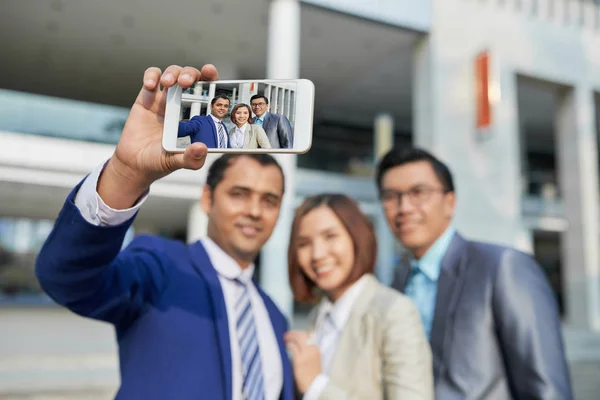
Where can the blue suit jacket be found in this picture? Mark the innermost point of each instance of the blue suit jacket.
(202, 128)
(163, 298)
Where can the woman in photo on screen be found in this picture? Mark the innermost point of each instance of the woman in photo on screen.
(365, 340)
(244, 134)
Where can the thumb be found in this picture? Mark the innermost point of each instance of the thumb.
(193, 158)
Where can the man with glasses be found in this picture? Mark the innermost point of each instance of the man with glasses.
(490, 315)
(277, 126)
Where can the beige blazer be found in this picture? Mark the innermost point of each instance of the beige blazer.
(253, 137)
(383, 352)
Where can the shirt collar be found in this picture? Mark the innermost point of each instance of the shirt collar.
(431, 262)
(242, 128)
(226, 266)
(341, 309)
(262, 117)
(215, 119)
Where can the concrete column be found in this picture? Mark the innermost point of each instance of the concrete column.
(197, 223)
(384, 135)
(578, 174)
(384, 141)
(486, 168)
(196, 108)
(422, 93)
(282, 63)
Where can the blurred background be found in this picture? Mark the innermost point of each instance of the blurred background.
(507, 92)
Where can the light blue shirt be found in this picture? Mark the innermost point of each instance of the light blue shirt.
(260, 120)
(422, 282)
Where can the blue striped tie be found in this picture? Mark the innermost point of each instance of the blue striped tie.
(221, 143)
(253, 387)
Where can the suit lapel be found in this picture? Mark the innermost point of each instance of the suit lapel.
(266, 120)
(202, 264)
(247, 135)
(214, 129)
(288, 382)
(449, 285)
(353, 334)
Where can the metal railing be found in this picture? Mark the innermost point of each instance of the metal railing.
(582, 13)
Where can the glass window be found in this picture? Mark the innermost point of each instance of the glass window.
(20, 242)
(51, 116)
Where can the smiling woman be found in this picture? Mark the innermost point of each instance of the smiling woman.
(365, 340)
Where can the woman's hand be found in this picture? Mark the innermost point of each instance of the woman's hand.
(306, 358)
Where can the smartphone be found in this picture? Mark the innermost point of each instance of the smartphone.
(247, 116)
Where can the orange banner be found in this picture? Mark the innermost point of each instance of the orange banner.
(482, 87)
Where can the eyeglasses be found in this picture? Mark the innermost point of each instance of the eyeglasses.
(259, 104)
(417, 195)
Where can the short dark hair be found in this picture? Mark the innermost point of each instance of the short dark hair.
(216, 172)
(358, 226)
(258, 96)
(404, 155)
(219, 96)
(237, 107)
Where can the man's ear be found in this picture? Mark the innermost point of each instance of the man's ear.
(206, 199)
(450, 204)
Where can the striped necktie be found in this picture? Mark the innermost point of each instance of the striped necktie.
(221, 143)
(253, 387)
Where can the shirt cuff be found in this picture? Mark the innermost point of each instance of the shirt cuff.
(94, 210)
(316, 388)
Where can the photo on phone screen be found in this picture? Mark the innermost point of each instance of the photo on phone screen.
(266, 116)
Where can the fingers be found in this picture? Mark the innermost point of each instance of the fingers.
(170, 76)
(295, 349)
(297, 336)
(151, 78)
(194, 156)
(209, 73)
(297, 341)
(187, 76)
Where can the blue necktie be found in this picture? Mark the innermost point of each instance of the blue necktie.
(258, 122)
(253, 387)
(221, 136)
(416, 290)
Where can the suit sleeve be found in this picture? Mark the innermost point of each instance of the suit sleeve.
(81, 266)
(187, 128)
(261, 138)
(406, 356)
(284, 131)
(529, 330)
(407, 359)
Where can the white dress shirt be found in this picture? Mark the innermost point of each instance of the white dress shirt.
(237, 141)
(329, 326)
(225, 135)
(96, 212)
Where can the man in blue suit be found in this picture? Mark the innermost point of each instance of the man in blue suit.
(191, 322)
(209, 129)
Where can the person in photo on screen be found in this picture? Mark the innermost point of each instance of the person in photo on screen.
(245, 134)
(277, 126)
(208, 129)
(365, 340)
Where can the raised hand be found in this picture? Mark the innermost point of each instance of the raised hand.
(139, 158)
(306, 358)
